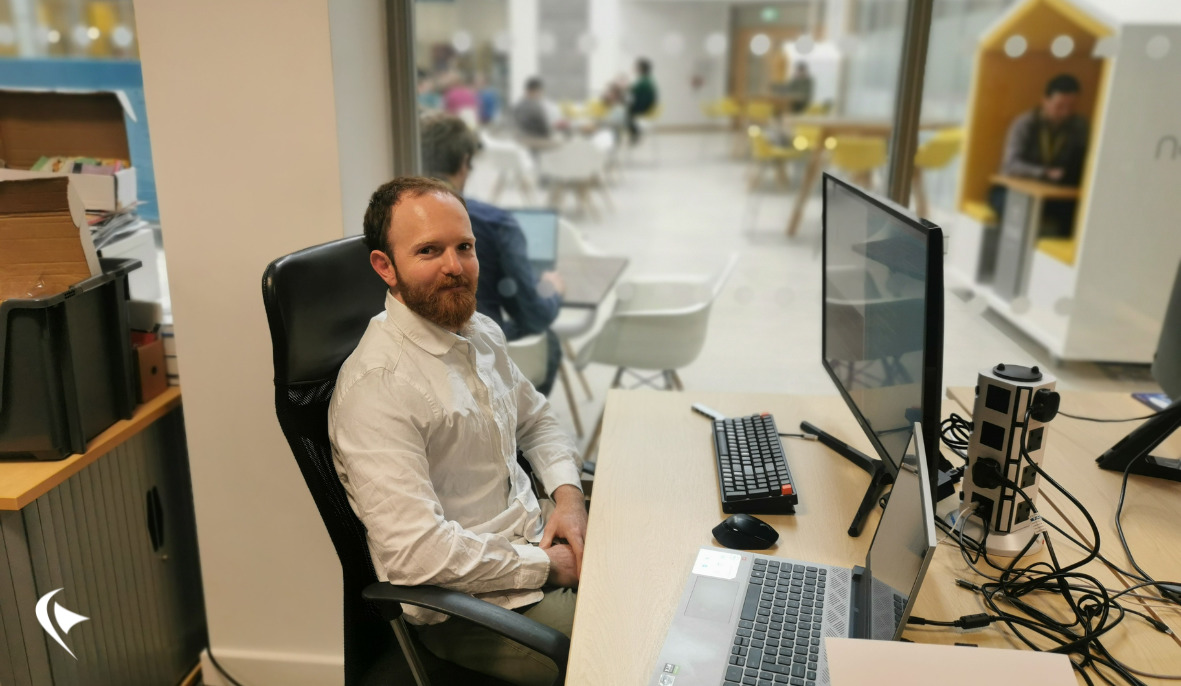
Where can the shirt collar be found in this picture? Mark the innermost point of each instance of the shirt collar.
(429, 336)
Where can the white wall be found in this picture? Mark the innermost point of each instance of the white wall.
(360, 73)
(250, 165)
(645, 27)
(523, 24)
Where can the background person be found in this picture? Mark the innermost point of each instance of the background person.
(520, 302)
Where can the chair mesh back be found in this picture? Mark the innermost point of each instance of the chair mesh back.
(332, 290)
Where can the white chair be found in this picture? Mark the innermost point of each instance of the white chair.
(529, 353)
(659, 323)
(573, 322)
(512, 162)
(577, 165)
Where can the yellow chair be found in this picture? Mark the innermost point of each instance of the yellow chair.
(936, 153)
(569, 110)
(766, 154)
(595, 109)
(805, 138)
(759, 111)
(858, 156)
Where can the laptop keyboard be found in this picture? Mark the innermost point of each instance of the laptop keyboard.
(779, 633)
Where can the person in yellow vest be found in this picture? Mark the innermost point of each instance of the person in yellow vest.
(1049, 143)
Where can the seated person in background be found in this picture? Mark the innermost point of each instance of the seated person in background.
(642, 98)
(509, 293)
(1048, 143)
(799, 89)
(425, 422)
(531, 115)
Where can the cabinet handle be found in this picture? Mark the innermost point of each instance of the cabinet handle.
(155, 517)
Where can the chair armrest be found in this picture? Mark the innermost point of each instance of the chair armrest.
(512, 625)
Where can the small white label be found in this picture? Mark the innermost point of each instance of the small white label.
(1038, 525)
(717, 564)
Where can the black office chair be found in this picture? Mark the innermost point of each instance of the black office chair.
(318, 303)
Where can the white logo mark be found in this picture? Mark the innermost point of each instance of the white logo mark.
(65, 619)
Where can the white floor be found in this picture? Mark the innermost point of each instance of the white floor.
(684, 207)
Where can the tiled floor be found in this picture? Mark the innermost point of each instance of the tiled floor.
(685, 209)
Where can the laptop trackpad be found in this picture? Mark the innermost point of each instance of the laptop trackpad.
(712, 599)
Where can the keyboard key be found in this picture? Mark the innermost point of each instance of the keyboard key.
(733, 673)
(752, 602)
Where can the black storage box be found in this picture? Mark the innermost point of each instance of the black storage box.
(66, 372)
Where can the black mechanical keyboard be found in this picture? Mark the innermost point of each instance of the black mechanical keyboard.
(779, 633)
(752, 469)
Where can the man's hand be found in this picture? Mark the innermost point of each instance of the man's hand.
(563, 571)
(551, 282)
(1055, 174)
(568, 522)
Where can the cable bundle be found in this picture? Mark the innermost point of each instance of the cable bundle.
(1092, 609)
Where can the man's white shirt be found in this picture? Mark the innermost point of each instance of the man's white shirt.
(425, 425)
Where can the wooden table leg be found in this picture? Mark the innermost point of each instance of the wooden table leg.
(797, 212)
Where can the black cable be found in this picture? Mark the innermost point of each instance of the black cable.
(806, 437)
(220, 669)
(1095, 609)
(1102, 419)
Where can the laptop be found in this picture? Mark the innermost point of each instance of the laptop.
(540, 227)
(746, 618)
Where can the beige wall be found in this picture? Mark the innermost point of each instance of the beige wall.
(244, 123)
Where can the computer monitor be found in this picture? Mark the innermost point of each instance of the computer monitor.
(1132, 453)
(883, 318)
(540, 227)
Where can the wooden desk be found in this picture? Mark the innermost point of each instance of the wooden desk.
(22, 482)
(1071, 448)
(656, 500)
(838, 126)
(1020, 226)
(588, 278)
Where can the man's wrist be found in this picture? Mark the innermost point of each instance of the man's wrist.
(567, 492)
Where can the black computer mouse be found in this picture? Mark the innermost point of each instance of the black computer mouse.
(744, 532)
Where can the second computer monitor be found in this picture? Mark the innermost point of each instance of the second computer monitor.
(883, 317)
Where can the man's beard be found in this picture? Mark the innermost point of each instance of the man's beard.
(450, 309)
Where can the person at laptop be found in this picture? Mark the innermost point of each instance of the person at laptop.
(509, 293)
(425, 423)
(1048, 143)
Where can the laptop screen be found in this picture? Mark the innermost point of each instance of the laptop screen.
(902, 546)
(541, 233)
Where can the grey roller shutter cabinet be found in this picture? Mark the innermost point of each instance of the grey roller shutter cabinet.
(120, 539)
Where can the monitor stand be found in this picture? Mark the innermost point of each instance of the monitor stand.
(1134, 448)
(879, 475)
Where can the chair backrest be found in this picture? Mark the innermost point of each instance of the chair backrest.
(859, 153)
(760, 110)
(806, 138)
(530, 355)
(658, 322)
(574, 160)
(572, 242)
(318, 303)
(940, 149)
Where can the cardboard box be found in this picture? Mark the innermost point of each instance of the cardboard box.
(45, 243)
(69, 123)
(149, 360)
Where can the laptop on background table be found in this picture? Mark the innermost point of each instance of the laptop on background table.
(540, 227)
(747, 618)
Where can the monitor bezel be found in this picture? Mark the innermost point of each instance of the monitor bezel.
(931, 392)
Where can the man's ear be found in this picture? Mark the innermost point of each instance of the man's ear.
(384, 267)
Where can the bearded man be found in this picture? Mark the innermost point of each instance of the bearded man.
(426, 421)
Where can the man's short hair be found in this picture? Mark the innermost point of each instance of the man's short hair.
(446, 143)
(644, 66)
(1062, 83)
(533, 85)
(385, 198)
